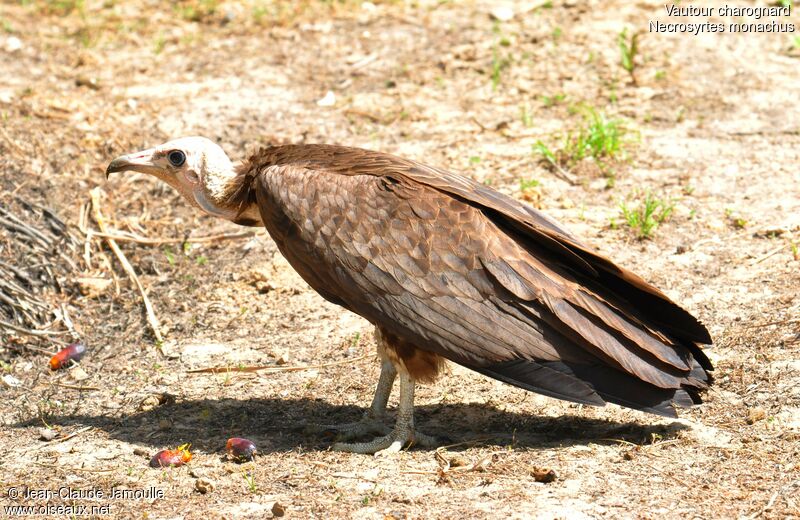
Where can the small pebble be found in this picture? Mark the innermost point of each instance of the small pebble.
(47, 434)
(502, 13)
(11, 381)
(544, 475)
(204, 485)
(78, 374)
(281, 357)
(13, 44)
(755, 415)
(83, 81)
(278, 509)
(457, 461)
(328, 100)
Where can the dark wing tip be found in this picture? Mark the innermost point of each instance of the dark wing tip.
(593, 385)
(551, 380)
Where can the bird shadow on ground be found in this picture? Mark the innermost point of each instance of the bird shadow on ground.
(280, 425)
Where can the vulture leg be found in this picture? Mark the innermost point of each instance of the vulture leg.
(372, 422)
(403, 433)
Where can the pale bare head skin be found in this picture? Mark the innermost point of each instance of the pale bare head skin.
(195, 166)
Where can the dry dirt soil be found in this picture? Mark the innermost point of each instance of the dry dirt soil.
(711, 125)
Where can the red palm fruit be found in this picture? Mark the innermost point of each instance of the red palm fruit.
(62, 358)
(241, 449)
(166, 458)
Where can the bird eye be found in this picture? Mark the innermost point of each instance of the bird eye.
(176, 158)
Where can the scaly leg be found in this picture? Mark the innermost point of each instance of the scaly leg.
(403, 433)
(372, 422)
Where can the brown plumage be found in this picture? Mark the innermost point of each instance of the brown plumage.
(459, 270)
(447, 268)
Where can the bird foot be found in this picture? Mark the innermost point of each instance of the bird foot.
(388, 444)
(369, 425)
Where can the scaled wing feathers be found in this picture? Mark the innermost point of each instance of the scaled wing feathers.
(475, 276)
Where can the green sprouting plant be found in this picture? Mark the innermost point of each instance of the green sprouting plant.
(600, 138)
(628, 47)
(525, 115)
(548, 155)
(644, 214)
(542, 149)
(64, 7)
(553, 100)
(735, 219)
(527, 184)
(797, 42)
(170, 255)
(259, 12)
(499, 63)
(251, 483)
(197, 10)
(159, 44)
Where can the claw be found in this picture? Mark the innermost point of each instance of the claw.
(392, 441)
(347, 432)
(388, 444)
(395, 447)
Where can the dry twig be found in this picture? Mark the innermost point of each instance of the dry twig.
(121, 236)
(152, 319)
(770, 254)
(271, 369)
(66, 437)
(77, 387)
(85, 470)
(30, 332)
(11, 143)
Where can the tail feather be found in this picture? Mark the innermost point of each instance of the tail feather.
(551, 381)
(593, 385)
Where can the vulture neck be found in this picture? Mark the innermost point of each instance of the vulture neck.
(212, 205)
(219, 198)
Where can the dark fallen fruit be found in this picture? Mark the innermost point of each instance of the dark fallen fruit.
(63, 357)
(240, 449)
(166, 458)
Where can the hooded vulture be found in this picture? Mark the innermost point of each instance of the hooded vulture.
(446, 268)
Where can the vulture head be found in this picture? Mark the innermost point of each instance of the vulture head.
(195, 166)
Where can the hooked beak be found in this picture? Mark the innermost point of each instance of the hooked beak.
(138, 162)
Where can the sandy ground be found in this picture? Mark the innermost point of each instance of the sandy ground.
(714, 127)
